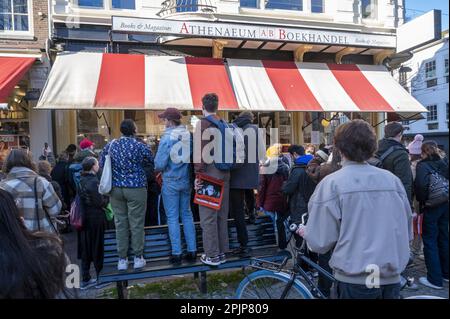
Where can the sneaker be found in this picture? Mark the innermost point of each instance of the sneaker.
(88, 284)
(424, 281)
(211, 261)
(123, 264)
(175, 260)
(139, 262)
(445, 280)
(223, 258)
(191, 256)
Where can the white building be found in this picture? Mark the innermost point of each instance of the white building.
(425, 76)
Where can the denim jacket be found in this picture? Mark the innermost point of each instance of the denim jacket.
(174, 153)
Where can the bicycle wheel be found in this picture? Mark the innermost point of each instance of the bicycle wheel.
(265, 284)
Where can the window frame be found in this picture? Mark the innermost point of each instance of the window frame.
(107, 5)
(429, 69)
(311, 7)
(301, 4)
(432, 115)
(374, 14)
(29, 15)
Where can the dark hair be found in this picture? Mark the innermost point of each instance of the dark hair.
(18, 158)
(33, 264)
(356, 140)
(88, 163)
(392, 129)
(71, 148)
(210, 102)
(176, 122)
(431, 150)
(300, 150)
(128, 127)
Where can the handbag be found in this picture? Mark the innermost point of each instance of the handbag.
(105, 184)
(36, 207)
(76, 214)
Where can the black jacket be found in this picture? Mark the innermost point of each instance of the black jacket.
(397, 163)
(423, 169)
(246, 175)
(92, 201)
(299, 187)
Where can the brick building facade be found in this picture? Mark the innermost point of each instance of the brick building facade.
(24, 32)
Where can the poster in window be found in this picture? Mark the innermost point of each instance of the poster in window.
(210, 193)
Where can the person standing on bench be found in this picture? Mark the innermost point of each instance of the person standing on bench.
(244, 177)
(214, 223)
(176, 186)
(129, 192)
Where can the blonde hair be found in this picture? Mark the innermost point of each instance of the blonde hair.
(44, 168)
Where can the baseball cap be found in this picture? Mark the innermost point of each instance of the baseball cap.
(170, 113)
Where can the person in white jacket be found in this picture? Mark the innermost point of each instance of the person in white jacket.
(362, 213)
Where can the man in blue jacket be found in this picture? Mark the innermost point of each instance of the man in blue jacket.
(173, 160)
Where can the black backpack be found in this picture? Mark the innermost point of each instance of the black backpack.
(377, 161)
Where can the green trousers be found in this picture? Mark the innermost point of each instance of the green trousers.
(129, 206)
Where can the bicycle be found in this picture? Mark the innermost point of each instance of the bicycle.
(274, 281)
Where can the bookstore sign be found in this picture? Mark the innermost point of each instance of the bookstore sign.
(250, 32)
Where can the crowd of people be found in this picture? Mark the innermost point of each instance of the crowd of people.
(361, 197)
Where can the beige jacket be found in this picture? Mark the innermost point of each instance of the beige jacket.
(364, 214)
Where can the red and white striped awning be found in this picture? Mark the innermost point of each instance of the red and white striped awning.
(12, 70)
(123, 81)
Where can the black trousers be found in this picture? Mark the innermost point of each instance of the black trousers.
(324, 283)
(352, 291)
(237, 197)
(91, 247)
(250, 202)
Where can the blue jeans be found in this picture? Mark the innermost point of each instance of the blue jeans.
(177, 203)
(435, 243)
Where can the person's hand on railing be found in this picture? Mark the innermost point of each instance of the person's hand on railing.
(301, 230)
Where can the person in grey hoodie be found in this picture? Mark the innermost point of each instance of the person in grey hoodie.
(363, 214)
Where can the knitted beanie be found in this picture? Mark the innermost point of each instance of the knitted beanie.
(415, 147)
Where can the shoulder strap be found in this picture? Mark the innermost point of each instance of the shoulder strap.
(389, 151)
(36, 203)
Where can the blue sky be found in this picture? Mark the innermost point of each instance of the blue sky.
(415, 8)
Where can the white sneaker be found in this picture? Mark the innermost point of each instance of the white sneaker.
(424, 281)
(122, 264)
(139, 262)
(445, 280)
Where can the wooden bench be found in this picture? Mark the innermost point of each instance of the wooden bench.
(157, 250)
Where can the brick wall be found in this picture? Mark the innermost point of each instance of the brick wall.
(40, 29)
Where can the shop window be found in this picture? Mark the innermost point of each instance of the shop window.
(369, 9)
(249, 3)
(285, 4)
(93, 125)
(446, 111)
(124, 4)
(91, 3)
(432, 113)
(14, 127)
(317, 6)
(14, 15)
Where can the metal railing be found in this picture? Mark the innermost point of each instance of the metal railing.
(178, 6)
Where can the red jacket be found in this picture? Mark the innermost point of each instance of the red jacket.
(270, 195)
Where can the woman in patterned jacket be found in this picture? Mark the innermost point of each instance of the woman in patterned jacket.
(35, 197)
